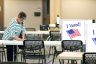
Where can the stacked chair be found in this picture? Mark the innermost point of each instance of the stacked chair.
(89, 58)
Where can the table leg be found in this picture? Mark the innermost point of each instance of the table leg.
(61, 61)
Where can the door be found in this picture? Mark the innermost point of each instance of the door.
(46, 11)
(1, 14)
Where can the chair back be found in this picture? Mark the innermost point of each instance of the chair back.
(44, 27)
(33, 44)
(72, 45)
(1, 35)
(55, 36)
(33, 37)
(89, 58)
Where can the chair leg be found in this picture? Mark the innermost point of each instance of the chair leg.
(2, 56)
(22, 57)
(68, 61)
(45, 61)
(39, 61)
(63, 61)
(42, 61)
(49, 51)
(16, 57)
(73, 62)
(81, 61)
(24, 60)
(59, 61)
(53, 58)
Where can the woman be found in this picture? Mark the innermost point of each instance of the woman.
(13, 32)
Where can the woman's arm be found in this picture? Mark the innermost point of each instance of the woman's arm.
(23, 36)
(17, 38)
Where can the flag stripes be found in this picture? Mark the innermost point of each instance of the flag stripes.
(73, 33)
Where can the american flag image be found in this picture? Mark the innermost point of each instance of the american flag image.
(94, 40)
(73, 33)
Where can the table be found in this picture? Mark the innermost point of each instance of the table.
(32, 32)
(11, 42)
(15, 42)
(70, 56)
(38, 32)
(1, 32)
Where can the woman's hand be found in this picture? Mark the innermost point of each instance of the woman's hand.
(19, 39)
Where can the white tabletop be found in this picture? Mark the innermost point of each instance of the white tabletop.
(52, 43)
(1, 32)
(37, 32)
(14, 42)
(71, 55)
(11, 42)
(32, 32)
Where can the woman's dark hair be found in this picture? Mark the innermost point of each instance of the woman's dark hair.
(22, 15)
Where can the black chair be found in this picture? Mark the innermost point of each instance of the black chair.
(33, 36)
(44, 27)
(13, 63)
(2, 50)
(34, 49)
(20, 47)
(54, 36)
(89, 58)
(72, 45)
(2, 53)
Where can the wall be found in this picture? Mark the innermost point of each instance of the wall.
(13, 7)
(72, 9)
(1, 14)
(79, 9)
(55, 9)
